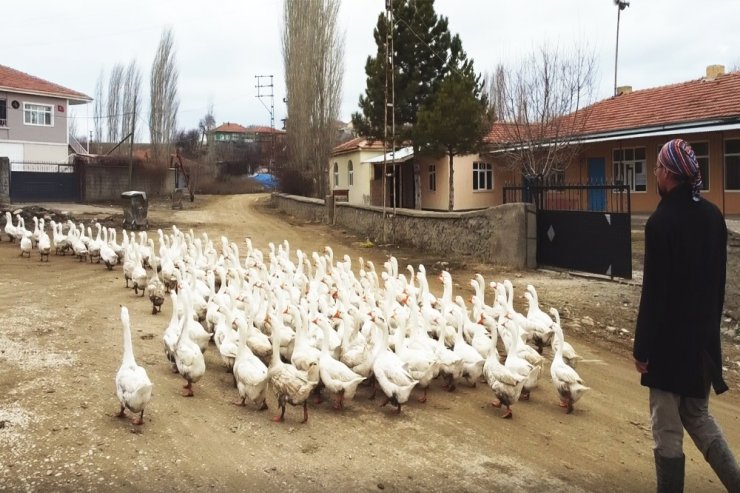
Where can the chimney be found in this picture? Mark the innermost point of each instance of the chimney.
(714, 71)
(624, 90)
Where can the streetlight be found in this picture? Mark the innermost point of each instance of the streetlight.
(621, 5)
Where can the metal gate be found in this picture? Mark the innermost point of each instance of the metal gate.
(571, 234)
(41, 181)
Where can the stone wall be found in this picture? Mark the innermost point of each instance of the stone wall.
(503, 235)
(313, 210)
(101, 183)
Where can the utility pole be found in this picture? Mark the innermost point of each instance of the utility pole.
(266, 90)
(389, 80)
(621, 5)
(131, 147)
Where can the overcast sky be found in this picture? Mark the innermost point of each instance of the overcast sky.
(221, 45)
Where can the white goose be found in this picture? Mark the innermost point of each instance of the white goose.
(44, 244)
(566, 380)
(133, 387)
(391, 373)
(250, 374)
(337, 377)
(26, 244)
(472, 361)
(10, 228)
(570, 356)
(188, 356)
(172, 333)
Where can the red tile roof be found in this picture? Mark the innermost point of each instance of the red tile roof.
(264, 130)
(13, 80)
(358, 143)
(694, 101)
(230, 128)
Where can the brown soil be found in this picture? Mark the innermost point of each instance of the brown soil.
(60, 347)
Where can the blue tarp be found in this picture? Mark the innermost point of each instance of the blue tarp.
(265, 179)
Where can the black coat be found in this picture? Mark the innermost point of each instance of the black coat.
(683, 290)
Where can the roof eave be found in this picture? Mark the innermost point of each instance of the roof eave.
(72, 98)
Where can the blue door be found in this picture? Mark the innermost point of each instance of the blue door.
(596, 176)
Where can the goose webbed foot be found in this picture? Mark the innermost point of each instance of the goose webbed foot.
(189, 390)
(386, 401)
(263, 407)
(240, 403)
(524, 396)
(398, 409)
(507, 414)
(496, 404)
(138, 421)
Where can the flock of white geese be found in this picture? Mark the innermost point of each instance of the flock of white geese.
(300, 324)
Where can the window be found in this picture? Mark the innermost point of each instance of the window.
(482, 176)
(38, 114)
(350, 172)
(336, 174)
(3, 113)
(629, 168)
(701, 151)
(732, 164)
(555, 177)
(432, 177)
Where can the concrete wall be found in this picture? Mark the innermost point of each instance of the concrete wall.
(504, 235)
(4, 181)
(102, 183)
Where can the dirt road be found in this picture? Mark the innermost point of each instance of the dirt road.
(60, 347)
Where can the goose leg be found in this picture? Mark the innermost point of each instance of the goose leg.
(386, 401)
(305, 412)
(524, 396)
(263, 407)
(398, 409)
(423, 398)
(375, 391)
(121, 413)
(279, 419)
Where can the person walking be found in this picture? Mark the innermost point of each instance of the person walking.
(677, 339)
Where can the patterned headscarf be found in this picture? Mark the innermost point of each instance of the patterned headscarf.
(678, 157)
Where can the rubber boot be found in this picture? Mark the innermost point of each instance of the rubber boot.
(724, 465)
(669, 472)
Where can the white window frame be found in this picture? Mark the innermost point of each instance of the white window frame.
(51, 113)
(336, 175)
(705, 177)
(482, 170)
(350, 173)
(724, 163)
(624, 169)
(432, 177)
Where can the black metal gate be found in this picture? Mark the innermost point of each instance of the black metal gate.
(48, 182)
(580, 227)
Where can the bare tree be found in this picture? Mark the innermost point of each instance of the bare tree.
(99, 109)
(206, 124)
(313, 55)
(542, 107)
(164, 102)
(115, 94)
(131, 99)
